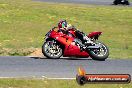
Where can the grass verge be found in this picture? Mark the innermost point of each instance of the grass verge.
(23, 24)
(35, 83)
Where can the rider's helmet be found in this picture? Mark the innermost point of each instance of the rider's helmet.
(62, 24)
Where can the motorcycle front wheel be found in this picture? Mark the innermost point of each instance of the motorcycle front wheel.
(52, 50)
(99, 54)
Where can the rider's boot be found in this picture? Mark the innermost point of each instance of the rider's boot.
(87, 41)
(82, 47)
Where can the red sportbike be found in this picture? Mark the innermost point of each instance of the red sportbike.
(58, 44)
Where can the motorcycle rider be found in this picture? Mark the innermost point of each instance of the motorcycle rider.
(63, 26)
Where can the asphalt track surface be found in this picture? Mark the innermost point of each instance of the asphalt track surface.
(20, 66)
(92, 2)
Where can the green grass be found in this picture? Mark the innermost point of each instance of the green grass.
(23, 24)
(34, 83)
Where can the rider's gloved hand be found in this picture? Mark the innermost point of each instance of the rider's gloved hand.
(69, 26)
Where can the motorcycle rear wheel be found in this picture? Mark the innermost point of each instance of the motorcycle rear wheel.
(52, 50)
(96, 54)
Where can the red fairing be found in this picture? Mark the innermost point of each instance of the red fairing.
(92, 34)
(70, 48)
(74, 51)
(72, 31)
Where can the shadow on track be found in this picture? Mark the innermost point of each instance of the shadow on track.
(73, 58)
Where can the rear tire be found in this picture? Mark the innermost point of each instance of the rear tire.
(99, 57)
(49, 53)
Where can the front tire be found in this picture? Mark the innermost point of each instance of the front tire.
(99, 54)
(52, 50)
